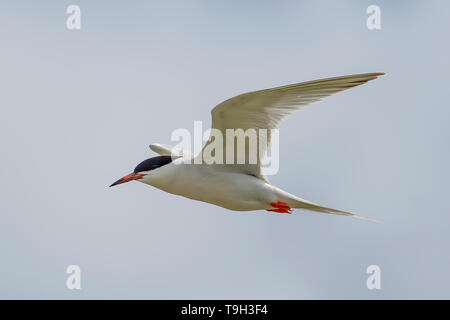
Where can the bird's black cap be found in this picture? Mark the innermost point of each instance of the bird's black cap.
(153, 163)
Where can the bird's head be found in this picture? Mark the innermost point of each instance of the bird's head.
(144, 168)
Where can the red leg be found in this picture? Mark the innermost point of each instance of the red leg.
(280, 207)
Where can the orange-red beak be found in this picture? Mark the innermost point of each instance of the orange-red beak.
(127, 178)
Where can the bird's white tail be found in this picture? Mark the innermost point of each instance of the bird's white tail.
(303, 204)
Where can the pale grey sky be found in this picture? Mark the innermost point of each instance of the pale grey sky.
(79, 108)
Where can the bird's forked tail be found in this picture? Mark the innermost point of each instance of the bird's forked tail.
(298, 203)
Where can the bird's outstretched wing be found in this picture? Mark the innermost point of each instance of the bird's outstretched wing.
(265, 109)
(165, 150)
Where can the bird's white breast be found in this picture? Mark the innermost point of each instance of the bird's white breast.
(232, 190)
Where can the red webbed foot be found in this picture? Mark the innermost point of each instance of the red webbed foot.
(280, 207)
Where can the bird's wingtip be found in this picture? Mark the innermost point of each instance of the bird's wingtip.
(365, 218)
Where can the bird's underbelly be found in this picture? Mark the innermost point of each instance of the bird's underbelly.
(234, 191)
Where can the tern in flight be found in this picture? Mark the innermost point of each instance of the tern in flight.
(242, 187)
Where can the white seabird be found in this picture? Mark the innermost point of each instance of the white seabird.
(242, 187)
